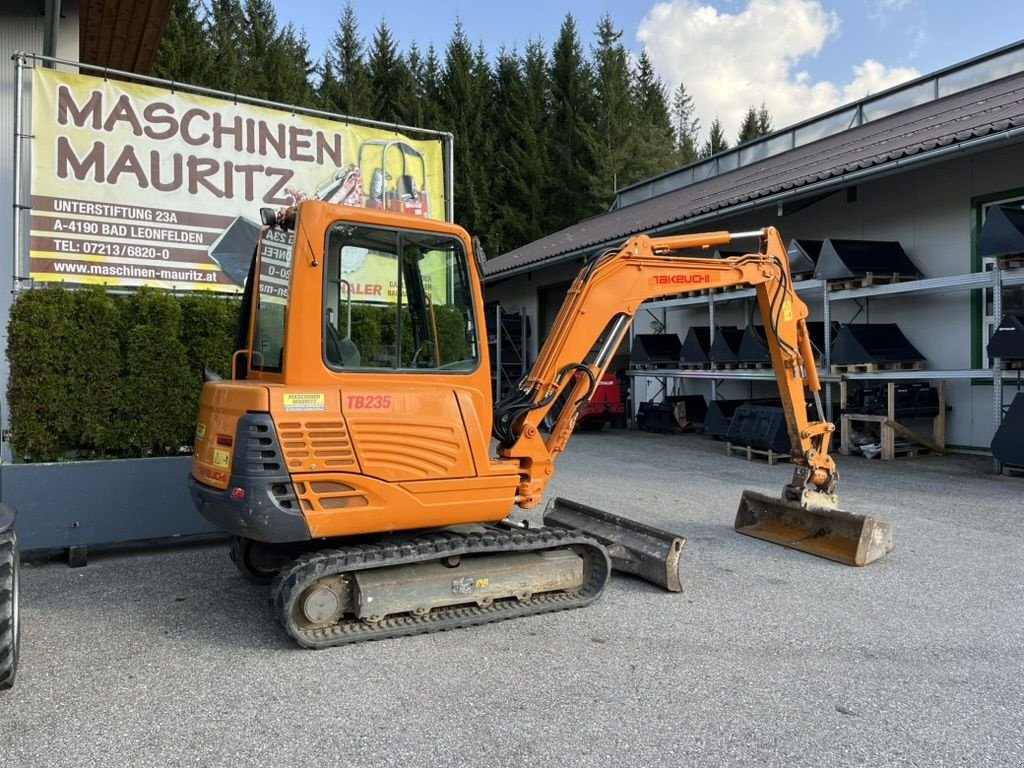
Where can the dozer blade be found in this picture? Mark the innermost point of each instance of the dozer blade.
(644, 551)
(833, 533)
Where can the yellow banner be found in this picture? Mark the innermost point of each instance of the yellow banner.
(135, 185)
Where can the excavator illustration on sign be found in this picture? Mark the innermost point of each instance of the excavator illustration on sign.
(408, 194)
(368, 181)
(350, 453)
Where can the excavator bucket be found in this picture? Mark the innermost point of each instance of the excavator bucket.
(642, 550)
(833, 533)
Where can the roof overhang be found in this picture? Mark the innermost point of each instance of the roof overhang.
(815, 189)
(122, 34)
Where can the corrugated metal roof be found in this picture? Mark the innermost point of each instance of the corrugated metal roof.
(990, 109)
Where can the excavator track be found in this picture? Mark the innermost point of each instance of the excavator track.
(344, 563)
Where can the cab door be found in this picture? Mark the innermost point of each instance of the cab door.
(400, 333)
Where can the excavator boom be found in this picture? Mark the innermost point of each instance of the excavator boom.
(597, 313)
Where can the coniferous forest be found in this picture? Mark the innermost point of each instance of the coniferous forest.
(543, 136)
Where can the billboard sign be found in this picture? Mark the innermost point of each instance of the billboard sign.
(136, 185)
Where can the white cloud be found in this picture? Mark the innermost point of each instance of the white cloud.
(730, 61)
(881, 10)
(891, 5)
(872, 77)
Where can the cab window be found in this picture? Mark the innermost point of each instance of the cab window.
(397, 300)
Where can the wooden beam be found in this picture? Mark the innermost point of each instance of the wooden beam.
(122, 34)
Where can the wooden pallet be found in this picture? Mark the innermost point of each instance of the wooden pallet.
(755, 366)
(1013, 471)
(866, 281)
(772, 457)
(1011, 262)
(693, 366)
(654, 366)
(905, 452)
(902, 365)
(912, 451)
(1013, 365)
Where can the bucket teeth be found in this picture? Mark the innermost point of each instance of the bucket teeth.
(831, 533)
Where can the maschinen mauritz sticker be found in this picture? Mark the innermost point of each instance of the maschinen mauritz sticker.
(304, 401)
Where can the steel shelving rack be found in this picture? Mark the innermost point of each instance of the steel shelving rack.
(994, 279)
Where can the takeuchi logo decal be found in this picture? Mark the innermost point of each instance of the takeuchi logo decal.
(697, 279)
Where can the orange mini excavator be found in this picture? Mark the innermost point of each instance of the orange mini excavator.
(350, 454)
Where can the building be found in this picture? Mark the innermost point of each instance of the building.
(120, 34)
(919, 164)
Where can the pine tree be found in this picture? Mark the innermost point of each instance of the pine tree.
(274, 62)
(656, 146)
(483, 127)
(764, 121)
(328, 86)
(461, 106)
(347, 90)
(509, 96)
(748, 128)
(428, 89)
(572, 144)
(389, 77)
(292, 84)
(716, 141)
(756, 122)
(532, 156)
(184, 55)
(517, 163)
(258, 33)
(617, 140)
(685, 125)
(224, 31)
(413, 106)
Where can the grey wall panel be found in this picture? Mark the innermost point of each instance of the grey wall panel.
(21, 29)
(101, 502)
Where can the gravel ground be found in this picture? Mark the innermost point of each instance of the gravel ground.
(769, 658)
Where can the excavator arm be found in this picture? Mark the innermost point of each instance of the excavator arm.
(597, 312)
(594, 318)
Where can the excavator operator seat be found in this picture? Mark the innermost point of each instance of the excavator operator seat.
(341, 351)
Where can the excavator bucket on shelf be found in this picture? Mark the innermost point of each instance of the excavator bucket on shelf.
(832, 533)
(642, 550)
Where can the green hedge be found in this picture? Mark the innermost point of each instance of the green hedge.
(97, 375)
(373, 333)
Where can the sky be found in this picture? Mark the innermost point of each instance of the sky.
(798, 57)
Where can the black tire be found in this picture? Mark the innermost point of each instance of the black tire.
(10, 563)
(257, 562)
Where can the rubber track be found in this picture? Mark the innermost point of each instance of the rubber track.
(8, 651)
(294, 579)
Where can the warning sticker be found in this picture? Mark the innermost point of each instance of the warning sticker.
(221, 457)
(200, 431)
(302, 401)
